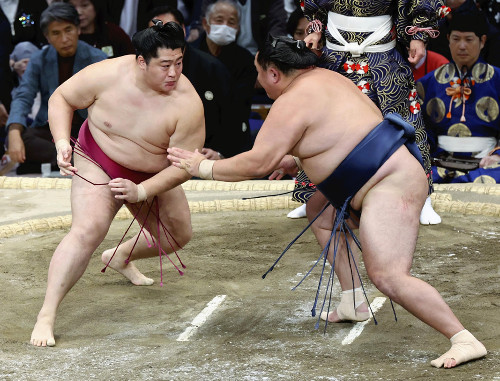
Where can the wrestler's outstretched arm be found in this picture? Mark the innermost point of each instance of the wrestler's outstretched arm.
(78, 92)
(276, 138)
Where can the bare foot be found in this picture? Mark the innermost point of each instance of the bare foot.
(128, 270)
(464, 347)
(43, 333)
(361, 314)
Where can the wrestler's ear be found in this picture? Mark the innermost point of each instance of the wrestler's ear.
(274, 75)
(142, 62)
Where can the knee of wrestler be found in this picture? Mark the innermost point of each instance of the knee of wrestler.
(90, 232)
(183, 236)
(384, 281)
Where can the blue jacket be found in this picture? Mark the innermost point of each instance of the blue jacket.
(42, 75)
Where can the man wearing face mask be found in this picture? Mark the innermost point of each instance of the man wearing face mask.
(258, 19)
(221, 25)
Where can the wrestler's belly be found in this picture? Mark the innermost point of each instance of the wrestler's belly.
(401, 175)
(131, 154)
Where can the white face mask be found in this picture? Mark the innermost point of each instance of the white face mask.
(222, 34)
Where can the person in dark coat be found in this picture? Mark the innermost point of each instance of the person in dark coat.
(258, 19)
(222, 16)
(24, 18)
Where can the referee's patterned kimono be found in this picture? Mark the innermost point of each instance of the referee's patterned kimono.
(385, 77)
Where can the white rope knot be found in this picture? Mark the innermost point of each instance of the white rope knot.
(354, 48)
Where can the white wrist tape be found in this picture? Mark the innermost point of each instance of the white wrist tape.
(62, 143)
(141, 193)
(205, 169)
(297, 161)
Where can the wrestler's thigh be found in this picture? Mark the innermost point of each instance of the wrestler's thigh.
(325, 221)
(93, 206)
(174, 212)
(314, 205)
(388, 229)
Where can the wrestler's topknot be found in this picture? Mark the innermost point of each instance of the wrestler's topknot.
(148, 41)
(286, 54)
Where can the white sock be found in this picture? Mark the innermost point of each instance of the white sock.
(428, 216)
(299, 212)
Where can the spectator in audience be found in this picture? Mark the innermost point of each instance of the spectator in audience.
(212, 82)
(221, 24)
(491, 50)
(20, 57)
(95, 31)
(297, 24)
(5, 87)
(32, 145)
(461, 108)
(24, 19)
(130, 15)
(257, 19)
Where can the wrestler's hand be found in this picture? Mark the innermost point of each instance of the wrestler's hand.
(187, 160)
(417, 51)
(210, 154)
(125, 189)
(313, 40)
(287, 166)
(488, 161)
(64, 153)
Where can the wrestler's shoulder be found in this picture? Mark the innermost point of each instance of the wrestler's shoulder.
(114, 66)
(318, 75)
(186, 88)
(309, 85)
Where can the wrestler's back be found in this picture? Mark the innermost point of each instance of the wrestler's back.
(133, 124)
